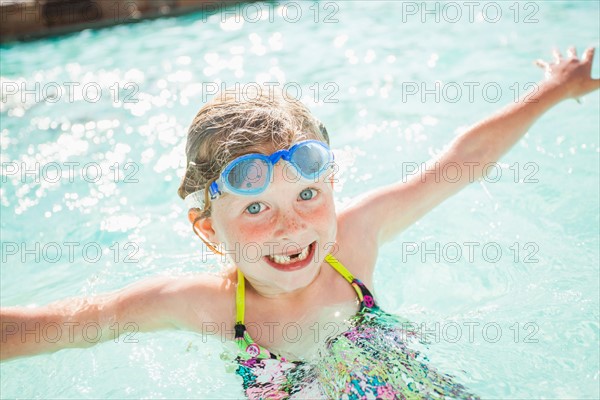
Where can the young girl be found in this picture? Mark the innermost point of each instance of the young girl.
(259, 185)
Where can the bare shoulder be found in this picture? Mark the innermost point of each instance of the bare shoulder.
(180, 302)
(357, 243)
(202, 299)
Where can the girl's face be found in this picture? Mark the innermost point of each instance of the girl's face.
(286, 218)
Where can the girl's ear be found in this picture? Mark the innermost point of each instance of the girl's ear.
(202, 224)
(193, 214)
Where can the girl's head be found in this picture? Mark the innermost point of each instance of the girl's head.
(288, 215)
(258, 119)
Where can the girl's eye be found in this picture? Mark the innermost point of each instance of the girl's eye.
(254, 208)
(307, 193)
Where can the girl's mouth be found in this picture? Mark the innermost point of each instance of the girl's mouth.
(294, 261)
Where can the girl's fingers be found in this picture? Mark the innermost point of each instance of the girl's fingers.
(541, 63)
(557, 56)
(588, 54)
(572, 52)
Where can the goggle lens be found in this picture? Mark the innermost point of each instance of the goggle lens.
(248, 175)
(310, 159)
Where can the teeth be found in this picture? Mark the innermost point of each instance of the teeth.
(288, 260)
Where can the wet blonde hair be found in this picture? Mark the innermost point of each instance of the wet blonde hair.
(237, 122)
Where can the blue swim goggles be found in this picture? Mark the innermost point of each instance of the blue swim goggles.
(251, 174)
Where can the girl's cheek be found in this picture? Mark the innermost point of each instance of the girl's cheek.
(316, 215)
(319, 218)
(253, 230)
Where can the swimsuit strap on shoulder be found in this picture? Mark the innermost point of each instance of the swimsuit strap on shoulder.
(339, 267)
(364, 295)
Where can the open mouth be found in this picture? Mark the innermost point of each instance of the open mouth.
(292, 261)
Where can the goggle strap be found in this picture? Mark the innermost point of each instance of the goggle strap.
(214, 190)
(279, 154)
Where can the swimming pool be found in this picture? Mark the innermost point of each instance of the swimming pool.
(505, 274)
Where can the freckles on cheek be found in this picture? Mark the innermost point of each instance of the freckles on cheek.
(320, 216)
(251, 232)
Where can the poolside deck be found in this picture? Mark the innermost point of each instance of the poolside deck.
(32, 19)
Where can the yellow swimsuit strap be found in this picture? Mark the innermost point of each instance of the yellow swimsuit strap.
(339, 267)
(243, 339)
(240, 298)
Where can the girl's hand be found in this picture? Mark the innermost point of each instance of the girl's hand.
(571, 75)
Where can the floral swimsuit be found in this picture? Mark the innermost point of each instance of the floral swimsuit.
(369, 360)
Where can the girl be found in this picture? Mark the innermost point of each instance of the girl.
(294, 260)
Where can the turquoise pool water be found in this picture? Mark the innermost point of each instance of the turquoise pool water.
(522, 323)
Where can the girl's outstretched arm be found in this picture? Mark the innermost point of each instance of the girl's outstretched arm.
(386, 211)
(151, 304)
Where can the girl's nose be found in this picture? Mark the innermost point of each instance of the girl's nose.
(288, 222)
